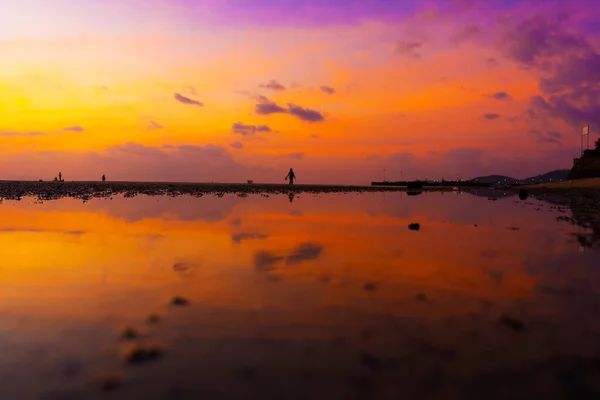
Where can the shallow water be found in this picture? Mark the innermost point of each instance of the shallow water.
(329, 296)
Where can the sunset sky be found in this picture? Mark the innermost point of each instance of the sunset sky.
(216, 90)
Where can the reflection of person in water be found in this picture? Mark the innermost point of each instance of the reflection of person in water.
(291, 176)
(291, 196)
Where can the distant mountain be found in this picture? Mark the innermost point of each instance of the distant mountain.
(497, 179)
(552, 176)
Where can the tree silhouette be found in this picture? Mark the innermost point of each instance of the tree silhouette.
(597, 145)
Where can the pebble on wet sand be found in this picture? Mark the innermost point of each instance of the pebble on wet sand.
(129, 333)
(369, 287)
(109, 382)
(422, 297)
(180, 301)
(144, 353)
(153, 318)
(414, 227)
(513, 323)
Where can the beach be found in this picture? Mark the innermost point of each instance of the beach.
(48, 190)
(587, 183)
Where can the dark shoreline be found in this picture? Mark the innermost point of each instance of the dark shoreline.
(15, 190)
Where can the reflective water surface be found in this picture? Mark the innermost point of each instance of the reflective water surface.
(304, 296)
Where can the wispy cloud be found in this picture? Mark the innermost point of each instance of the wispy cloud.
(249, 130)
(408, 49)
(267, 107)
(17, 134)
(305, 114)
(74, 128)
(239, 237)
(236, 145)
(297, 155)
(327, 89)
(273, 85)
(186, 100)
(491, 116)
(548, 136)
(500, 96)
(153, 125)
(464, 33)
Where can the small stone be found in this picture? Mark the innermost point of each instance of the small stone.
(422, 297)
(109, 382)
(414, 227)
(153, 318)
(513, 323)
(369, 287)
(129, 333)
(180, 301)
(142, 354)
(370, 361)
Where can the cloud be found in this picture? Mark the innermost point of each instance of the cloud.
(327, 89)
(191, 90)
(74, 128)
(273, 85)
(569, 64)
(269, 107)
(137, 162)
(261, 99)
(540, 37)
(500, 96)
(305, 114)
(577, 72)
(17, 134)
(297, 155)
(249, 130)
(465, 33)
(548, 136)
(236, 145)
(239, 237)
(491, 62)
(304, 252)
(491, 116)
(560, 107)
(153, 125)
(186, 100)
(408, 49)
(312, 135)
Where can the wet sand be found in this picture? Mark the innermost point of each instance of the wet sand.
(589, 183)
(15, 190)
(331, 296)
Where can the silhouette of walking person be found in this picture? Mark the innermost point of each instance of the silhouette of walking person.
(291, 176)
(103, 178)
(60, 176)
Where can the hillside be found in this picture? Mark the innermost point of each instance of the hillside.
(551, 176)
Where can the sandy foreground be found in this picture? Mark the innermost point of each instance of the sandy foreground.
(589, 183)
(14, 190)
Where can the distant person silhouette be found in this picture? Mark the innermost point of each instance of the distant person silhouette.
(103, 178)
(55, 179)
(291, 176)
(60, 176)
